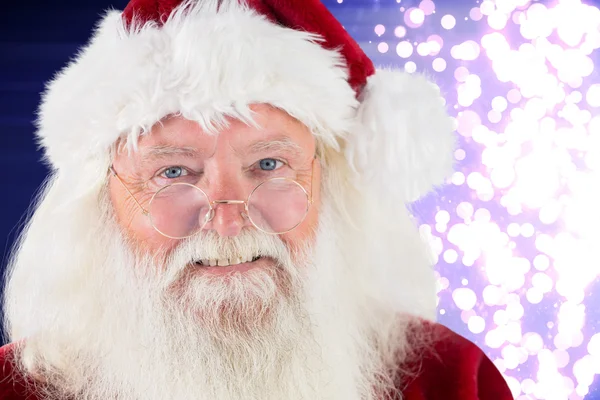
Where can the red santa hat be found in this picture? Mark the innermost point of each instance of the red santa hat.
(209, 59)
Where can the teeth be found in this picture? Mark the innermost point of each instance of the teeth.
(225, 262)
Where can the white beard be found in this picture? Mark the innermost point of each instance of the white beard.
(295, 332)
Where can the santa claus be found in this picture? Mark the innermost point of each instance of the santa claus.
(225, 218)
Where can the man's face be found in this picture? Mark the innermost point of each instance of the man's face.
(226, 166)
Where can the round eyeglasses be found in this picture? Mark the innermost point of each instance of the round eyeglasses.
(180, 210)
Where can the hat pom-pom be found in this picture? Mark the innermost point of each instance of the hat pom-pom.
(404, 144)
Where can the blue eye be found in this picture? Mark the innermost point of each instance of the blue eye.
(173, 172)
(268, 164)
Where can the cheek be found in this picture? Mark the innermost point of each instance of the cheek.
(305, 233)
(136, 226)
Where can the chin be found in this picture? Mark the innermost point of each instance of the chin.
(232, 299)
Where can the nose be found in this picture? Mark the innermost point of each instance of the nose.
(227, 192)
(227, 217)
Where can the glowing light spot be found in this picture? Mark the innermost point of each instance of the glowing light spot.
(465, 210)
(461, 73)
(515, 311)
(448, 21)
(442, 216)
(501, 317)
(535, 108)
(506, 7)
(483, 214)
(583, 369)
(512, 332)
(541, 262)
(533, 342)
(527, 230)
(503, 176)
(404, 49)
(550, 212)
(534, 295)
(593, 346)
(410, 67)
(417, 16)
(423, 49)
(467, 121)
(561, 357)
(513, 229)
(569, 27)
(450, 256)
(511, 356)
(414, 17)
(494, 338)
(542, 282)
(383, 47)
(469, 91)
(497, 20)
(536, 22)
(475, 14)
(492, 295)
(466, 315)
(400, 31)
(436, 43)
(467, 51)
(497, 49)
(487, 7)
(427, 6)
(439, 64)
(459, 154)
(464, 298)
(379, 30)
(494, 116)
(592, 97)
(499, 104)
(476, 324)
(441, 228)
(458, 178)
(528, 386)
(514, 96)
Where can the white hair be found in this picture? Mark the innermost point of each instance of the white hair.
(94, 323)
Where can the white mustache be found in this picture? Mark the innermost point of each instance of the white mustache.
(209, 245)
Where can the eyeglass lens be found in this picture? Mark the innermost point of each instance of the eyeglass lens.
(275, 206)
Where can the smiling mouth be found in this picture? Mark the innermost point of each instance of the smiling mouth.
(226, 262)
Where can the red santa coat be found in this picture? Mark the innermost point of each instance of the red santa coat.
(454, 369)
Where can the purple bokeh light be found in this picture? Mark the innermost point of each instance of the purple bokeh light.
(516, 231)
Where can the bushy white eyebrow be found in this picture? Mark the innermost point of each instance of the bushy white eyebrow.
(282, 143)
(163, 151)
